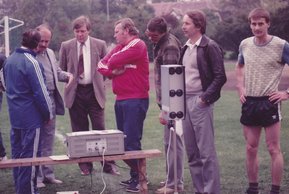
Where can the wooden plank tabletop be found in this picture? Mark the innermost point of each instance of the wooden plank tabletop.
(10, 163)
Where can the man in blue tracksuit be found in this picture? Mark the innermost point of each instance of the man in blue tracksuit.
(2, 148)
(29, 108)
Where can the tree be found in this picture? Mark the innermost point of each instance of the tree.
(228, 8)
(280, 23)
(7, 7)
(140, 13)
(230, 31)
(159, 1)
(31, 12)
(60, 21)
(59, 14)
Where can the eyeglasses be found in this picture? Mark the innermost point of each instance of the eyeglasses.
(152, 34)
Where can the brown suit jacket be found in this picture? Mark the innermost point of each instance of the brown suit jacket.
(68, 61)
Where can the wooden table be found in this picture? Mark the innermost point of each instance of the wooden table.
(141, 155)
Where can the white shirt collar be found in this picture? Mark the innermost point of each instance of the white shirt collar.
(197, 43)
(86, 43)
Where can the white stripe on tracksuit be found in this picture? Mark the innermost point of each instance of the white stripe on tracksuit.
(100, 65)
(35, 150)
(41, 81)
(130, 44)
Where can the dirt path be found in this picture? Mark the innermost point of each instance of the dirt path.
(231, 80)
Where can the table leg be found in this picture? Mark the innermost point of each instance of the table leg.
(142, 176)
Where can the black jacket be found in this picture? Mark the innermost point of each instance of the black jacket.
(211, 68)
(2, 59)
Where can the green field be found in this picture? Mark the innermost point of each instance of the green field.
(229, 142)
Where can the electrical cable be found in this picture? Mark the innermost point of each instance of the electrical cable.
(122, 167)
(91, 180)
(102, 169)
(171, 130)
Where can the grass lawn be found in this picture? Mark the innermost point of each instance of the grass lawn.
(229, 142)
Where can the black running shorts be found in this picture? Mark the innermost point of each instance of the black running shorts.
(259, 111)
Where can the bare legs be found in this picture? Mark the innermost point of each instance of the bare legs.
(252, 137)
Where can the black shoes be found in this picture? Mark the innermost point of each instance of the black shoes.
(132, 185)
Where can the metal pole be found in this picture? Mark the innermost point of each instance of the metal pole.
(107, 10)
(6, 31)
(173, 128)
(6, 34)
(175, 161)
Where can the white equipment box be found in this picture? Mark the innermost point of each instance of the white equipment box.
(94, 143)
(173, 91)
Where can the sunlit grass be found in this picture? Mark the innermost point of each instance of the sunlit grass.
(229, 143)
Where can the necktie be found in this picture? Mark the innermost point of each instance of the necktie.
(80, 62)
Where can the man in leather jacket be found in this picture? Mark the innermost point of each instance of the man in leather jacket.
(204, 78)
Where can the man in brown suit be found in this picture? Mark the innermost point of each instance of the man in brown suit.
(86, 94)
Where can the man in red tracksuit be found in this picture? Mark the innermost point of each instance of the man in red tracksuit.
(128, 67)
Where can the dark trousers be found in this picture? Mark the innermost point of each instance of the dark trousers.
(85, 107)
(25, 144)
(2, 148)
(130, 116)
